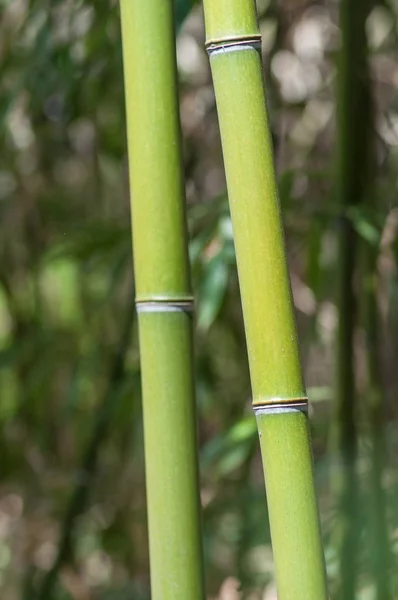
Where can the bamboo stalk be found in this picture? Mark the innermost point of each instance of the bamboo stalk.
(381, 555)
(279, 396)
(352, 175)
(357, 186)
(164, 299)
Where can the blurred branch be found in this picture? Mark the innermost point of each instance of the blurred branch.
(89, 462)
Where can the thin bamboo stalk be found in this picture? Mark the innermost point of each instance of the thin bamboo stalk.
(279, 396)
(164, 299)
(382, 560)
(351, 176)
(381, 555)
(357, 175)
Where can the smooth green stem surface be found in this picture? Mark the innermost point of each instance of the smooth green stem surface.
(230, 19)
(170, 449)
(293, 512)
(270, 327)
(162, 278)
(153, 131)
(264, 282)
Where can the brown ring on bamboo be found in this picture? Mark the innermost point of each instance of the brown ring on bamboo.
(165, 305)
(272, 409)
(236, 42)
(282, 404)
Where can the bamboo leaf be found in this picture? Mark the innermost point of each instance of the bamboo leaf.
(229, 450)
(365, 225)
(212, 291)
(182, 10)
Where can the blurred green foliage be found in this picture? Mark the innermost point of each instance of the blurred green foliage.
(70, 410)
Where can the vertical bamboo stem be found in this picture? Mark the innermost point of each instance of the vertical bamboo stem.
(164, 299)
(352, 178)
(381, 552)
(279, 396)
(357, 186)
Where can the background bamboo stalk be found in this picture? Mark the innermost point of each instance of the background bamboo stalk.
(353, 170)
(381, 556)
(381, 552)
(164, 299)
(277, 385)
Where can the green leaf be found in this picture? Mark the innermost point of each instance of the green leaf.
(182, 10)
(212, 291)
(229, 450)
(365, 225)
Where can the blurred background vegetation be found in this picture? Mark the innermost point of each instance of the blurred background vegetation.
(72, 491)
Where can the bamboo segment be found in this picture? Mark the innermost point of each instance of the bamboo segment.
(170, 446)
(230, 19)
(279, 395)
(164, 299)
(258, 234)
(293, 512)
(153, 131)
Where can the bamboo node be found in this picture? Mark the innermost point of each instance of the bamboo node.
(233, 44)
(279, 405)
(166, 305)
(280, 409)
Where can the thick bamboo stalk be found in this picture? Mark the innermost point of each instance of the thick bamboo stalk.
(279, 396)
(164, 299)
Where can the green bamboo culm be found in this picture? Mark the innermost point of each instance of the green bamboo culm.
(279, 397)
(356, 192)
(164, 299)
